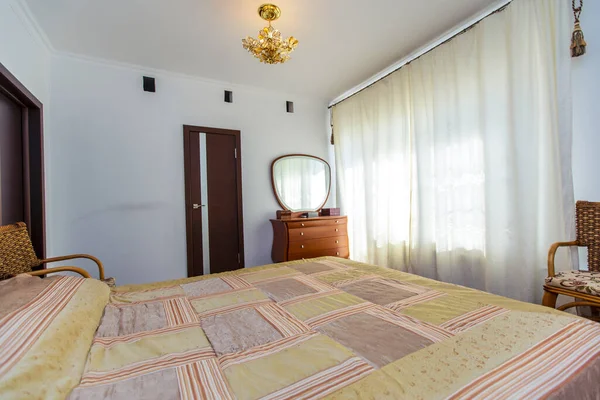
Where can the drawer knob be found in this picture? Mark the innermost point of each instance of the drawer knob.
(302, 246)
(337, 241)
(302, 224)
(337, 222)
(337, 254)
(337, 230)
(301, 233)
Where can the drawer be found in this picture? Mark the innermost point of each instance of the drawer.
(318, 244)
(317, 232)
(342, 252)
(317, 222)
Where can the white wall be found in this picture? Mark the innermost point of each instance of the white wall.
(21, 50)
(586, 111)
(26, 55)
(116, 162)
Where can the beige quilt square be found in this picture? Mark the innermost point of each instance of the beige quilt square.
(379, 342)
(205, 287)
(312, 268)
(285, 289)
(238, 331)
(376, 291)
(125, 320)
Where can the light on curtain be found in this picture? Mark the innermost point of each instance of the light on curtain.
(454, 167)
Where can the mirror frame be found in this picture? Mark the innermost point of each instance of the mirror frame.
(299, 155)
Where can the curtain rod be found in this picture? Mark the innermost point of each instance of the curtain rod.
(496, 8)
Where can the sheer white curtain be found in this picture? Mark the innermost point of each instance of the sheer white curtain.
(457, 166)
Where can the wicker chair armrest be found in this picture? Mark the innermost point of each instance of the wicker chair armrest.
(552, 254)
(75, 256)
(46, 271)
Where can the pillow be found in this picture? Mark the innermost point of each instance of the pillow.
(46, 330)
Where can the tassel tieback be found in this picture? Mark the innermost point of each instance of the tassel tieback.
(577, 42)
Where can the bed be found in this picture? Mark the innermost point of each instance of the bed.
(319, 328)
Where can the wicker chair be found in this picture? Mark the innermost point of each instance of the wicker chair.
(17, 255)
(582, 285)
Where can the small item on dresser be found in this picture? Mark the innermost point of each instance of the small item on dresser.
(312, 214)
(284, 214)
(326, 212)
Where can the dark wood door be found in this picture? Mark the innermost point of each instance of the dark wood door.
(12, 199)
(223, 224)
(22, 155)
(213, 200)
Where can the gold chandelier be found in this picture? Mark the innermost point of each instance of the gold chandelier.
(270, 48)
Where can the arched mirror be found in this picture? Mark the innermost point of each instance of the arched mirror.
(301, 182)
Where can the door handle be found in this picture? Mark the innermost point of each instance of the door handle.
(197, 206)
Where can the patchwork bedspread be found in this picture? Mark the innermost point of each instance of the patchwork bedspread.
(338, 329)
(328, 328)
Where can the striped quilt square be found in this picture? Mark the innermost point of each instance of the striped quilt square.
(22, 327)
(306, 298)
(432, 332)
(471, 319)
(309, 307)
(108, 342)
(141, 296)
(338, 313)
(436, 307)
(276, 367)
(128, 319)
(179, 312)
(169, 360)
(202, 380)
(256, 352)
(283, 321)
(379, 280)
(534, 374)
(413, 300)
(316, 284)
(271, 274)
(324, 382)
(108, 354)
(236, 282)
(227, 302)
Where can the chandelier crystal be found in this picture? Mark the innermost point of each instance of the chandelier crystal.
(270, 47)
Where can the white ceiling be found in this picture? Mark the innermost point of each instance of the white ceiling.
(342, 42)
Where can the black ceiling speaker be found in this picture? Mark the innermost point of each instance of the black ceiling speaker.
(149, 84)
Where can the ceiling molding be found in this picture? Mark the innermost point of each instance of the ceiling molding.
(226, 85)
(23, 12)
(420, 51)
(93, 31)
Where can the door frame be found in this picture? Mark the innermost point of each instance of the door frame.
(33, 157)
(187, 159)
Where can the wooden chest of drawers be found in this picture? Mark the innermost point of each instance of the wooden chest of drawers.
(298, 238)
